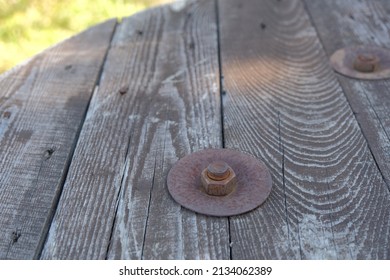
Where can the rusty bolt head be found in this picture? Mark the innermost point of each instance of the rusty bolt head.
(366, 63)
(218, 179)
(362, 62)
(254, 182)
(218, 170)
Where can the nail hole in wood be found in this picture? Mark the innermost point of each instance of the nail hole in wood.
(192, 45)
(123, 90)
(68, 67)
(15, 236)
(263, 25)
(48, 153)
(6, 115)
(140, 32)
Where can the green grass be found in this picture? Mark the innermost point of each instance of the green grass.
(29, 26)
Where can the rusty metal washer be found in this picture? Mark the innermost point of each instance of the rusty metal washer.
(254, 183)
(362, 62)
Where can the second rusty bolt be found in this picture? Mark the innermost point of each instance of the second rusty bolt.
(362, 62)
(366, 63)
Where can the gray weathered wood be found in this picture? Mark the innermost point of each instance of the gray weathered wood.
(346, 23)
(284, 104)
(115, 202)
(42, 106)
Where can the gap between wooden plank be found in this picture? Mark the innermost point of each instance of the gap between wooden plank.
(222, 94)
(221, 90)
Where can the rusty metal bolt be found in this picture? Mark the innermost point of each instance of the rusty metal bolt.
(366, 63)
(218, 179)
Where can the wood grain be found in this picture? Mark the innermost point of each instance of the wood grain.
(284, 104)
(360, 23)
(158, 101)
(42, 107)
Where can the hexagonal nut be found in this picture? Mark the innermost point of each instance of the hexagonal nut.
(219, 188)
(366, 63)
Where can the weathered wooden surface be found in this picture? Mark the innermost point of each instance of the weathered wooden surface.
(284, 104)
(115, 203)
(323, 136)
(360, 23)
(42, 106)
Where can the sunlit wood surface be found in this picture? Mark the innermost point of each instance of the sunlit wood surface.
(90, 128)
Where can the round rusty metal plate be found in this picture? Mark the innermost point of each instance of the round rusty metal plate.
(343, 61)
(254, 183)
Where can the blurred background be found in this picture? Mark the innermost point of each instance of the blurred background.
(29, 26)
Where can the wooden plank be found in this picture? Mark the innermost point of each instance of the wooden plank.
(43, 105)
(115, 202)
(284, 104)
(360, 23)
